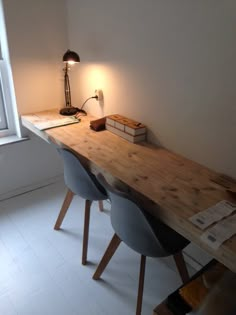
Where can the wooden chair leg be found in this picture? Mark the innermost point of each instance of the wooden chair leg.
(100, 205)
(141, 285)
(86, 231)
(112, 247)
(66, 203)
(181, 266)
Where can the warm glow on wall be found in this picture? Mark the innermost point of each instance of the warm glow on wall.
(97, 76)
(110, 78)
(94, 77)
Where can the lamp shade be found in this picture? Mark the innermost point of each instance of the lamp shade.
(71, 56)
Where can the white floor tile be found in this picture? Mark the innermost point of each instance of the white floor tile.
(6, 307)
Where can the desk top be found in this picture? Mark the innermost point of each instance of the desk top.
(171, 187)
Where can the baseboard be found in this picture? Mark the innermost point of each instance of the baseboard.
(24, 189)
(192, 262)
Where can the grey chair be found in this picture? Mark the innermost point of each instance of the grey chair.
(142, 233)
(84, 184)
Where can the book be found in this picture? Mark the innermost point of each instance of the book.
(126, 128)
(126, 136)
(125, 124)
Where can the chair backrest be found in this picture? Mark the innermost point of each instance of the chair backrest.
(132, 225)
(79, 180)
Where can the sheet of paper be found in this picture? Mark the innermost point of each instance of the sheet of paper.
(213, 214)
(220, 232)
(43, 125)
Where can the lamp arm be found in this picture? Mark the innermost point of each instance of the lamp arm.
(67, 87)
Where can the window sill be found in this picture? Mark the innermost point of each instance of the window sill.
(11, 139)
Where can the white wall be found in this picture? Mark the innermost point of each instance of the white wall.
(27, 165)
(170, 64)
(37, 39)
(37, 35)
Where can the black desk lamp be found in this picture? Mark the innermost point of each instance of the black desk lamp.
(70, 57)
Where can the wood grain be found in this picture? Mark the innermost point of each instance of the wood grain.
(162, 310)
(66, 203)
(107, 256)
(168, 185)
(181, 266)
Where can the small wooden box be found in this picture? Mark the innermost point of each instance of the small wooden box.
(126, 128)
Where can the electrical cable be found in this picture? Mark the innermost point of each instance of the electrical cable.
(81, 110)
(88, 100)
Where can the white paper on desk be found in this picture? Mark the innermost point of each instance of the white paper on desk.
(220, 232)
(213, 214)
(43, 125)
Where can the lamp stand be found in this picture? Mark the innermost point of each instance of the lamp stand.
(68, 110)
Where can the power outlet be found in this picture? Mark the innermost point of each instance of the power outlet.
(99, 95)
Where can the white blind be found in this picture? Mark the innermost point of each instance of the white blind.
(8, 114)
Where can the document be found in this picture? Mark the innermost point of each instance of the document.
(213, 214)
(220, 232)
(47, 124)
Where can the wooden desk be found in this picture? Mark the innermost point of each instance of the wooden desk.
(172, 187)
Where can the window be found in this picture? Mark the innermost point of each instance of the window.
(6, 119)
(9, 123)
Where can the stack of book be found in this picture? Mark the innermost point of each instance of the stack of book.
(126, 128)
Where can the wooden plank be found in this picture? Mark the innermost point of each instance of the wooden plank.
(162, 310)
(168, 185)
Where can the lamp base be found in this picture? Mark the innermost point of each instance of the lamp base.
(68, 111)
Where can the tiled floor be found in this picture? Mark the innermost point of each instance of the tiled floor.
(40, 269)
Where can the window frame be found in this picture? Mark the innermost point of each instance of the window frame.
(6, 106)
(3, 120)
(8, 110)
